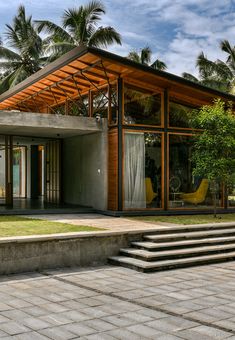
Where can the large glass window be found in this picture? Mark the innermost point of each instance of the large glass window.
(179, 115)
(141, 107)
(231, 191)
(186, 190)
(19, 171)
(142, 170)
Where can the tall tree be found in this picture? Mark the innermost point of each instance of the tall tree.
(214, 148)
(144, 57)
(25, 57)
(79, 27)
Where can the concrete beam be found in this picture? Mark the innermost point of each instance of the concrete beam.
(47, 125)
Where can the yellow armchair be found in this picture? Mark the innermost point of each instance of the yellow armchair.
(150, 194)
(199, 195)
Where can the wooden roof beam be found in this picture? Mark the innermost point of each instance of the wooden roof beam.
(93, 74)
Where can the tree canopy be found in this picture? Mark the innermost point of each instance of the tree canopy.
(214, 148)
(79, 27)
(25, 55)
(144, 57)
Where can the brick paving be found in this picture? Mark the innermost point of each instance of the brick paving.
(119, 303)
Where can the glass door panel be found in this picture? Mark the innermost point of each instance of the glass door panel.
(19, 171)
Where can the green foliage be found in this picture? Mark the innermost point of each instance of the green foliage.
(79, 27)
(26, 55)
(214, 148)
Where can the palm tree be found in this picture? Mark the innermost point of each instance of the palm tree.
(25, 57)
(144, 57)
(79, 27)
(216, 74)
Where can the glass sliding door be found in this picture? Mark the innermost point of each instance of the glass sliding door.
(19, 171)
(53, 171)
(142, 170)
(185, 189)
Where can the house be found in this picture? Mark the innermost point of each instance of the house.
(97, 130)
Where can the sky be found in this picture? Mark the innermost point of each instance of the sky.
(175, 30)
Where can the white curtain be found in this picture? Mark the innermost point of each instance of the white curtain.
(134, 171)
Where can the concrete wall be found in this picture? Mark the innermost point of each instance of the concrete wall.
(85, 170)
(24, 254)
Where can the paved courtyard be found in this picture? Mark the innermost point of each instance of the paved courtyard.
(117, 303)
(101, 221)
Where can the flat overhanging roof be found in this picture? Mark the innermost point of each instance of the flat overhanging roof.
(86, 68)
(45, 125)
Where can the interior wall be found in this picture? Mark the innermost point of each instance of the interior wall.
(84, 178)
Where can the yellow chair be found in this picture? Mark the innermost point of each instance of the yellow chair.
(150, 194)
(199, 195)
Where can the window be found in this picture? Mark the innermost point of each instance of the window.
(179, 115)
(141, 107)
(142, 170)
(186, 190)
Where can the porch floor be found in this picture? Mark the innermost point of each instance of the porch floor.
(38, 206)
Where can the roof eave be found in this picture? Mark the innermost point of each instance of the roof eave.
(50, 68)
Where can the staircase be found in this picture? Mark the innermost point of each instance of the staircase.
(178, 247)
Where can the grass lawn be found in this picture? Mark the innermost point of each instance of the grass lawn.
(21, 226)
(187, 219)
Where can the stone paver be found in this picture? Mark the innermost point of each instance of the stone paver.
(101, 221)
(118, 303)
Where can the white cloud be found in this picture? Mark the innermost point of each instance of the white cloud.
(177, 31)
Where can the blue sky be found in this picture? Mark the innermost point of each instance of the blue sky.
(176, 30)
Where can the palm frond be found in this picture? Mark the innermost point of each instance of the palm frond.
(6, 53)
(134, 56)
(159, 65)
(226, 47)
(145, 55)
(55, 50)
(93, 11)
(190, 77)
(52, 29)
(104, 36)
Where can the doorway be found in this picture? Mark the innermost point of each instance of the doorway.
(29, 170)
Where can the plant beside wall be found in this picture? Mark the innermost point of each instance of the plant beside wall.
(213, 153)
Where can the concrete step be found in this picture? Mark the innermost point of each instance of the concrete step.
(190, 235)
(194, 227)
(146, 255)
(153, 246)
(145, 266)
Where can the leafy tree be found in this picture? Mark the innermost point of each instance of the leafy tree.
(144, 57)
(25, 57)
(214, 148)
(79, 27)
